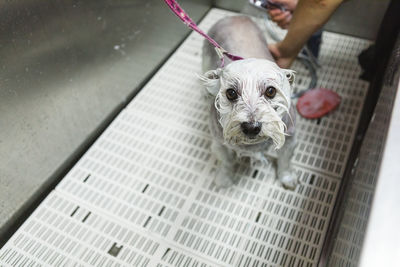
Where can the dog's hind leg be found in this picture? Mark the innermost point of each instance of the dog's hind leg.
(286, 174)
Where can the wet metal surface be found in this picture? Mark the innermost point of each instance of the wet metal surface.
(67, 66)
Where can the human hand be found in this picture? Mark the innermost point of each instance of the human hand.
(283, 18)
(283, 59)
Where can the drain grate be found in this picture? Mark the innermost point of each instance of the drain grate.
(143, 196)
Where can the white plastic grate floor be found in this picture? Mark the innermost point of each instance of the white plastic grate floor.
(143, 195)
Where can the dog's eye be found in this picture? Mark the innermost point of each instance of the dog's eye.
(270, 92)
(231, 94)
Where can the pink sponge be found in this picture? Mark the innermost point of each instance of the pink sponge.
(317, 102)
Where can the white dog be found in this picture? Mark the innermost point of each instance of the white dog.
(251, 101)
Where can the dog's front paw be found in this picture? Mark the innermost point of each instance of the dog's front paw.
(222, 182)
(289, 180)
(223, 178)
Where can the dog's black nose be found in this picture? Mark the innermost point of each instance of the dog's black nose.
(251, 129)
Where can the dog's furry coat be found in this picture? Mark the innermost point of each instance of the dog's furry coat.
(249, 78)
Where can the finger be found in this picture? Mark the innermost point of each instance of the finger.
(277, 15)
(273, 16)
(282, 17)
(274, 12)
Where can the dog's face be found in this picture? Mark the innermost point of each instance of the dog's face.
(251, 97)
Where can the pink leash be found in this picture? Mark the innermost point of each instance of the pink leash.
(180, 13)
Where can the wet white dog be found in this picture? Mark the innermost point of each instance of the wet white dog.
(251, 106)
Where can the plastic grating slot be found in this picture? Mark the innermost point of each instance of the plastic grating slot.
(143, 194)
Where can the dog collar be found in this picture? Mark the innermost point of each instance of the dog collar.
(182, 15)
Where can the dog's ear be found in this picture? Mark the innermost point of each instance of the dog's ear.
(290, 75)
(211, 81)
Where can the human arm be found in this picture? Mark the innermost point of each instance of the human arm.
(308, 17)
